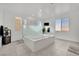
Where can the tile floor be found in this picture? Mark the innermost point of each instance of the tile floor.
(58, 48)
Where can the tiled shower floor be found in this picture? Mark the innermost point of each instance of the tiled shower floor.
(18, 48)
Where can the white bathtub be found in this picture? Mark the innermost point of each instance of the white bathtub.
(36, 43)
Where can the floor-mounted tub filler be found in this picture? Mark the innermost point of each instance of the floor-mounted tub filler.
(36, 43)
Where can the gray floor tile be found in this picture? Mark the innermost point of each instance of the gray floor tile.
(18, 48)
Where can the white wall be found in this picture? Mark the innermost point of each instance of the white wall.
(1, 16)
(9, 21)
(56, 11)
(73, 15)
(10, 11)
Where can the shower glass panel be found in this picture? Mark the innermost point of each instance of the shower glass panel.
(33, 25)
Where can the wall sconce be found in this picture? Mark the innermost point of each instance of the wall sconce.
(18, 23)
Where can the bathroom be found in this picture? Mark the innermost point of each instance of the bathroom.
(32, 20)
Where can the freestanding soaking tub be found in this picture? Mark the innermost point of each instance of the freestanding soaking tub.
(38, 42)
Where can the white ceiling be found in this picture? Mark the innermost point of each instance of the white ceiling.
(24, 9)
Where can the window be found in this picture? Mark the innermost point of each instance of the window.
(58, 25)
(65, 24)
(62, 24)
